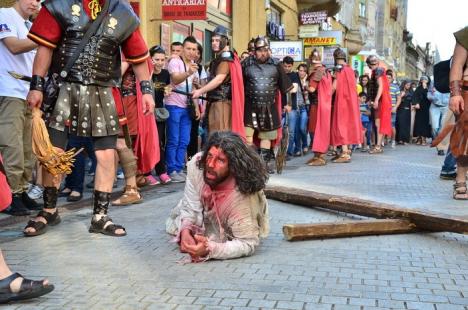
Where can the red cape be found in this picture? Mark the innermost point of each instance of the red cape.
(147, 142)
(346, 125)
(237, 102)
(324, 110)
(385, 107)
(5, 192)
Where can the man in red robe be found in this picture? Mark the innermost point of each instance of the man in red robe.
(346, 118)
(381, 101)
(85, 105)
(320, 87)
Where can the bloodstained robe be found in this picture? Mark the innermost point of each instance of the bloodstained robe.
(322, 82)
(346, 125)
(232, 222)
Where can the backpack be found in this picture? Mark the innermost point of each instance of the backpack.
(441, 76)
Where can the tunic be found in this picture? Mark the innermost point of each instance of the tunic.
(232, 222)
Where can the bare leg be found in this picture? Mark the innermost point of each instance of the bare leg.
(5, 271)
(104, 179)
(48, 180)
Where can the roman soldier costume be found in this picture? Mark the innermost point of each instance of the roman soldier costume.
(226, 102)
(262, 83)
(320, 109)
(85, 104)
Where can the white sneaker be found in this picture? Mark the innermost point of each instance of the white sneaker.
(393, 144)
(35, 192)
(176, 177)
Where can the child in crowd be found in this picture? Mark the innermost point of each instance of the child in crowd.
(366, 124)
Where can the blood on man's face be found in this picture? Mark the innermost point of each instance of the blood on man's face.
(216, 166)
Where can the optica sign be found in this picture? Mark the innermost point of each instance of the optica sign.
(183, 9)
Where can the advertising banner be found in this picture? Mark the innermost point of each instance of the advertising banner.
(280, 49)
(183, 9)
(313, 18)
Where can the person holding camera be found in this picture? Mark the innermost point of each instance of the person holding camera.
(183, 70)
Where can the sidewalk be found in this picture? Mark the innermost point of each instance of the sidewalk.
(407, 176)
(426, 271)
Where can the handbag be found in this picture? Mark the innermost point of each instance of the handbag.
(54, 80)
(190, 103)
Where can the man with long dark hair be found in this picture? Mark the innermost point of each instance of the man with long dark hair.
(224, 212)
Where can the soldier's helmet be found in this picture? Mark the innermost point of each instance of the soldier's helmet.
(315, 57)
(372, 60)
(339, 54)
(221, 31)
(261, 42)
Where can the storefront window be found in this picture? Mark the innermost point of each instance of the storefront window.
(180, 32)
(274, 16)
(362, 9)
(224, 6)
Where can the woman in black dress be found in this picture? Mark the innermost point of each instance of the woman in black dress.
(422, 126)
(403, 116)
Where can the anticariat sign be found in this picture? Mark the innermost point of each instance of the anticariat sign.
(183, 9)
(313, 18)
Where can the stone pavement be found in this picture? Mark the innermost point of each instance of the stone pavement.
(407, 176)
(143, 269)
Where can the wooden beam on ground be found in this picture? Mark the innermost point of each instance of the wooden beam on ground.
(294, 232)
(423, 219)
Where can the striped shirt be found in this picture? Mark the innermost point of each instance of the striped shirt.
(394, 93)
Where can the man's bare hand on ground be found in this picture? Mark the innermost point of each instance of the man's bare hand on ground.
(200, 249)
(186, 239)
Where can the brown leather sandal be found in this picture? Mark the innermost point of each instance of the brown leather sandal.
(460, 191)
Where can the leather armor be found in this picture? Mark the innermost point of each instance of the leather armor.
(99, 62)
(223, 91)
(260, 88)
(373, 82)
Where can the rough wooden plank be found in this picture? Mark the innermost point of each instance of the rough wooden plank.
(293, 232)
(423, 219)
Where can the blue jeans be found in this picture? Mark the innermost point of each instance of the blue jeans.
(74, 180)
(368, 126)
(437, 115)
(301, 130)
(292, 124)
(450, 164)
(178, 128)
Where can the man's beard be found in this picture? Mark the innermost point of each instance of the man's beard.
(214, 182)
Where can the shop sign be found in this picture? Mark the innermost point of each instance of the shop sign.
(313, 18)
(308, 31)
(327, 56)
(183, 9)
(281, 49)
(325, 38)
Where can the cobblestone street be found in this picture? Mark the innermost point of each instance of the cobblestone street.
(144, 270)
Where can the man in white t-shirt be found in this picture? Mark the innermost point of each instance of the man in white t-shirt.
(17, 54)
(183, 70)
